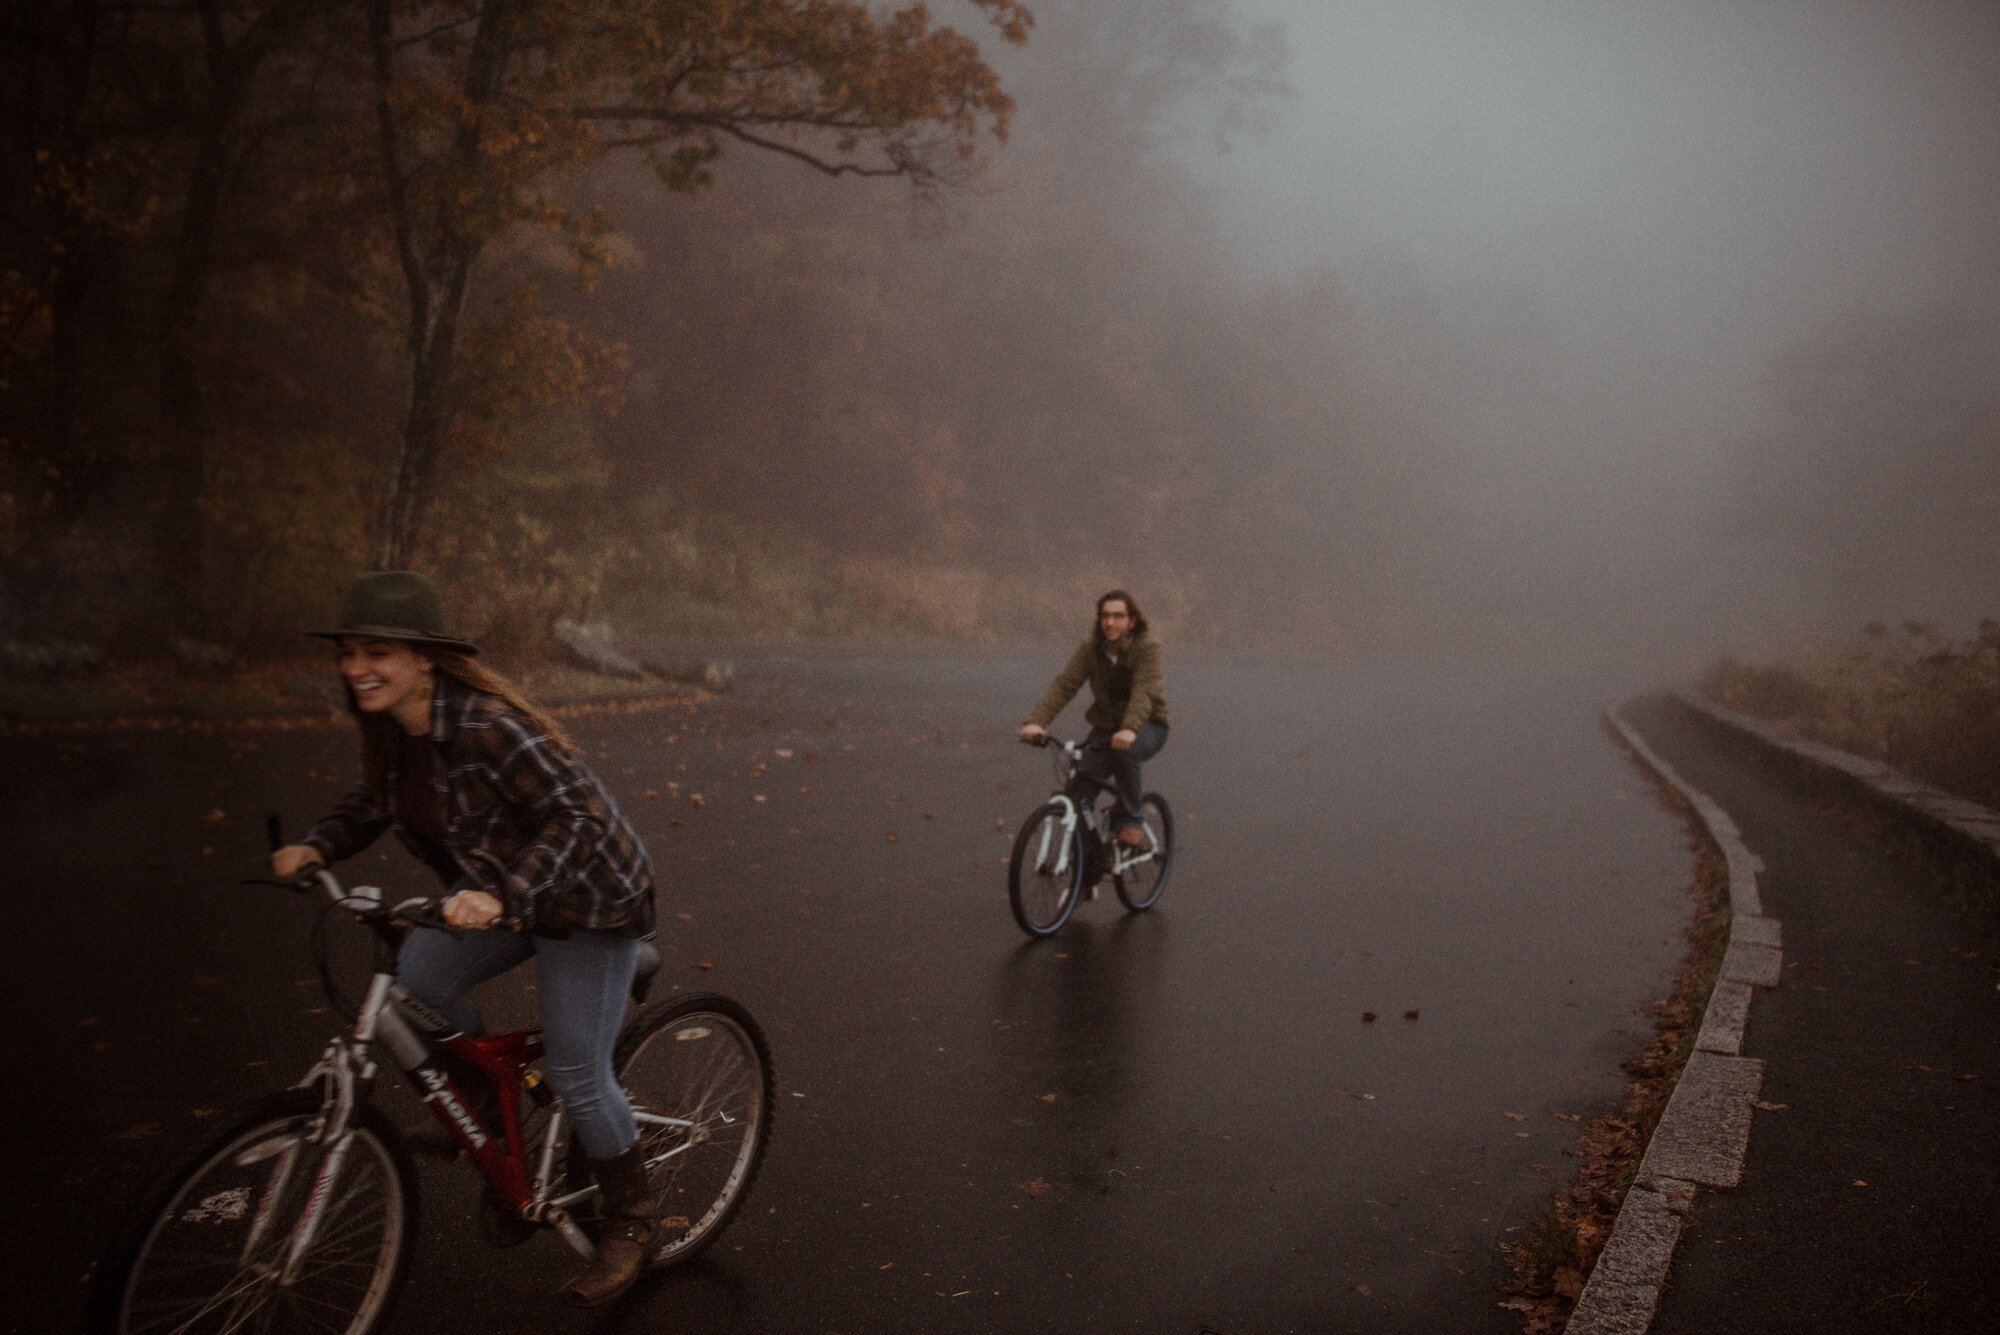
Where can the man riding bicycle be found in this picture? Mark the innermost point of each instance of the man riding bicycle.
(1128, 706)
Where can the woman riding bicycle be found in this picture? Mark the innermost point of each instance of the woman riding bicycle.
(487, 790)
(1128, 706)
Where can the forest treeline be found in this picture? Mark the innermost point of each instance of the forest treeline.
(601, 309)
(259, 301)
(736, 316)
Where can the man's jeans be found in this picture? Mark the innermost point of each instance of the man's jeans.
(583, 979)
(1119, 770)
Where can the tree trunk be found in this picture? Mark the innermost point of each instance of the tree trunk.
(181, 545)
(439, 282)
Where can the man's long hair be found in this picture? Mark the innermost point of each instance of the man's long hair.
(378, 731)
(1131, 605)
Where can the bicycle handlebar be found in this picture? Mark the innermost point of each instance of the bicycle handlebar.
(1072, 749)
(365, 901)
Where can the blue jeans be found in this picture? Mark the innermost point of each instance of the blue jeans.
(584, 981)
(1119, 770)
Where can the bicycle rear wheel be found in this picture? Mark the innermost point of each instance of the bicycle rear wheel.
(1045, 872)
(214, 1249)
(698, 1073)
(1142, 883)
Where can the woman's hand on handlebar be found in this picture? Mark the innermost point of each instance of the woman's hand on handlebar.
(1033, 733)
(471, 910)
(292, 859)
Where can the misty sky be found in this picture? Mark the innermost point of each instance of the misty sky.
(1745, 165)
(1676, 189)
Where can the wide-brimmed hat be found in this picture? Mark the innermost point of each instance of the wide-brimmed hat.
(396, 605)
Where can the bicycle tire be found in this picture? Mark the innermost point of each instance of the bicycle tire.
(1141, 885)
(185, 1261)
(1045, 881)
(698, 1072)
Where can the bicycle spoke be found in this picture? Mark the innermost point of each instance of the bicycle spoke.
(210, 1261)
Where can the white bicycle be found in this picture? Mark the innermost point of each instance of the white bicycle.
(1066, 846)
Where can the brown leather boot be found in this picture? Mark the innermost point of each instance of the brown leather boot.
(631, 1232)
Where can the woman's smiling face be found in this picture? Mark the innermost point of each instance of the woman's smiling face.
(387, 677)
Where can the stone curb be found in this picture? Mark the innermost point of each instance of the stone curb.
(1704, 1132)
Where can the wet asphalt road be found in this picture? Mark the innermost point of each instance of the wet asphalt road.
(1169, 1122)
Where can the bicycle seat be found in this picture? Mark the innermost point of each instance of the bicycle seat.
(642, 973)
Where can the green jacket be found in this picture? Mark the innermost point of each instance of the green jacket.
(1125, 694)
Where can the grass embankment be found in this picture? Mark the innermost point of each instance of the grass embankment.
(1555, 1252)
(1910, 697)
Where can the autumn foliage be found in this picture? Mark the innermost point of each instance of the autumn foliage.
(289, 247)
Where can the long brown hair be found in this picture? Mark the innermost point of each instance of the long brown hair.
(378, 731)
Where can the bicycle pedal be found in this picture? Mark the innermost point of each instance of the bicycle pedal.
(500, 1226)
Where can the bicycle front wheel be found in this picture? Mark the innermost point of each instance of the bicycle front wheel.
(1142, 877)
(698, 1073)
(1045, 873)
(266, 1229)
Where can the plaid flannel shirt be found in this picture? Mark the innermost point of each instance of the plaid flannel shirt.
(526, 823)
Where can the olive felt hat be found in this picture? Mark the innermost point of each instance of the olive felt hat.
(395, 605)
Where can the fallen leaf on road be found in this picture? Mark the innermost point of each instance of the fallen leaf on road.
(1361, 1289)
(706, 964)
(676, 820)
(697, 799)
(1036, 1187)
(649, 793)
(1859, 1183)
(1368, 1017)
(215, 815)
(1519, 1117)
(1048, 1098)
(1762, 1106)
(761, 798)
(1410, 1015)
(1567, 1117)
(999, 824)
(756, 769)
(892, 836)
(139, 1131)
